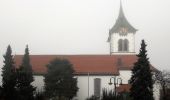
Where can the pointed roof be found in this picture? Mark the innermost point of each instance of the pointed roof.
(122, 22)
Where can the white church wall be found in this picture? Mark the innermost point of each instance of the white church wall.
(86, 84)
(38, 82)
(156, 91)
(125, 75)
(114, 43)
(85, 90)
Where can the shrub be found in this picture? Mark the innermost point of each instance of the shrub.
(93, 98)
(40, 96)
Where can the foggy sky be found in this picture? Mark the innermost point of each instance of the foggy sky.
(82, 26)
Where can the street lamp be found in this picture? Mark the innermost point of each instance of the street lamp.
(117, 81)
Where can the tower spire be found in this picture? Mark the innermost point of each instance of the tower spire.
(121, 14)
(122, 22)
(121, 35)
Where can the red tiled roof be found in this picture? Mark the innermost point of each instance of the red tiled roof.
(123, 88)
(83, 64)
(125, 62)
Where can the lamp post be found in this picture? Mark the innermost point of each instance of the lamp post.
(117, 81)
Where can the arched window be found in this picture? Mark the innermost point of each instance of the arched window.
(120, 45)
(126, 45)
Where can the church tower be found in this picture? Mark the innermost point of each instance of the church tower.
(122, 36)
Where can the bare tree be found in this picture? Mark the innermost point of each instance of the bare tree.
(163, 78)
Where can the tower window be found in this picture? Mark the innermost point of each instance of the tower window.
(126, 45)
(123, 45)
(120, 45)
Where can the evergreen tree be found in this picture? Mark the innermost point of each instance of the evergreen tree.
(59, 80)
(9, 76)
(141, 80)
(25, 78)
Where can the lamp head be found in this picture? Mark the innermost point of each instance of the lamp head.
(110, 83)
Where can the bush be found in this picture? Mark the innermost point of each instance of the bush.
(93, 98)
(40, 96)
(108, 95)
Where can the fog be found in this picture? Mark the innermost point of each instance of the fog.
(82, 26)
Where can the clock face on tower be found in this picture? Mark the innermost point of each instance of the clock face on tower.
(123, 31)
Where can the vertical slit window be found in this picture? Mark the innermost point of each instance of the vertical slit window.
(97, 87)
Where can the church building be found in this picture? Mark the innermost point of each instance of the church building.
(94, 72)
